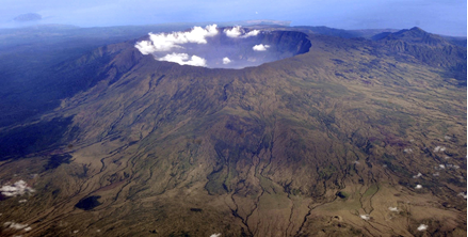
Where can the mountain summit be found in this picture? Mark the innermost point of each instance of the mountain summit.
(430, 49)
(28, 17)
(416, 35)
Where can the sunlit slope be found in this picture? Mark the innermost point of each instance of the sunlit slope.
(321, 144)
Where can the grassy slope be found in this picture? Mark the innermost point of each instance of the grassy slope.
(262, 151)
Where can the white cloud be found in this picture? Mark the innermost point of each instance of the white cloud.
(17, 189)
(166, 42)
(408, 150)
(215, 235)
(234, 32)
(365, 217)
(439, 148)
(417, 176)
(260, 47)
(184, 59)
(394, 209)
(145, 47)
(462, 194)
(422, 227)
(16, 226)
(226, 60)
(237, 31)
(251, 33)
(419, 186)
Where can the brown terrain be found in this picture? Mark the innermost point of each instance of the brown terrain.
(353, 138)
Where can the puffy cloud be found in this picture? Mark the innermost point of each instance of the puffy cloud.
(17, 189)
(408, 150)
(166, 42)
(463, 194)
(184, 59)
(16, 226)
(422, 227)
(260, 47)
(226, 60)
(439, 148)
(251, 33)
(234, 32)
(237, 31)
(145, 47)
(365, 217)
(417, 176)
(394, 209)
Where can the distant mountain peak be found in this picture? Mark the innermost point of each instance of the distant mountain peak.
(415, 35)
(28, 17)
(417, 29)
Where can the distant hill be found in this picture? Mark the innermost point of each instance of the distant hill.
(416, 36)
(430, 49)
(28, 17)
(323, 30)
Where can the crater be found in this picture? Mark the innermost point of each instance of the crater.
(231, 47)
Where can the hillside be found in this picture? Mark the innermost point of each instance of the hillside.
(352, 138)
(430, 49)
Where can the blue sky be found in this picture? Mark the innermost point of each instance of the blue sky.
(447, 17)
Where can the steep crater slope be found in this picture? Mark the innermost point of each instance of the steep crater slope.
(224, 47)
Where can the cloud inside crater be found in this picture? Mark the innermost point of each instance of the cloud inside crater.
(234, 32)
(184, 59)
(226, 60)
(237, 31)
(260, 47)
(208, 47)
(166, 42)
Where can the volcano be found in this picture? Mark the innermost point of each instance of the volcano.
(306, 135)
(225, 47)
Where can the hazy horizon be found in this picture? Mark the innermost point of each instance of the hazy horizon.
(435, 16)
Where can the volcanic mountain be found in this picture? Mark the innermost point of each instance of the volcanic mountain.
(351, 137)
